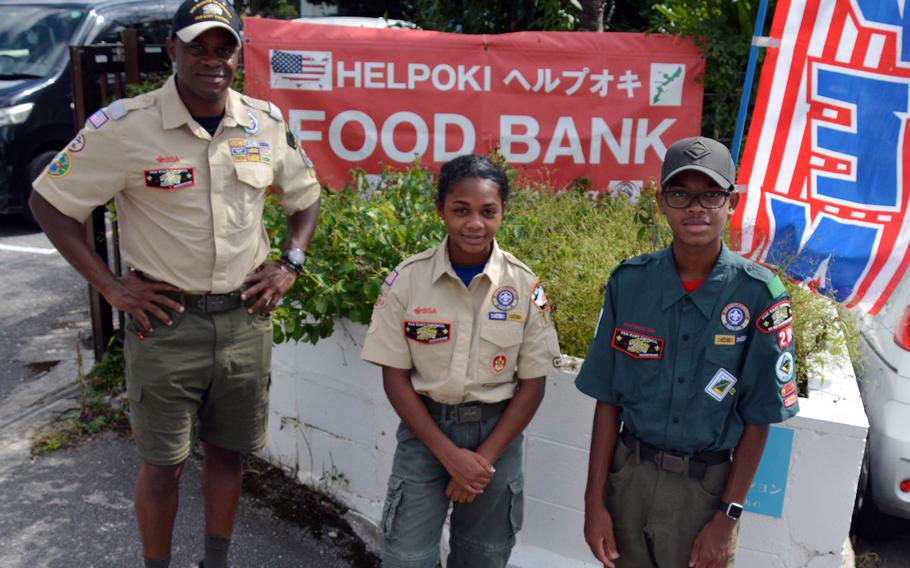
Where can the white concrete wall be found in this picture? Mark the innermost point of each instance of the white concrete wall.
(331, 423)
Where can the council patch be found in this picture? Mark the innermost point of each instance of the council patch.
(539, 297)
(60, 166)
(427, 331)
(720, 385)
(735, 316)
(169, 179)
(775, 317)
(505, 298)
(637, 345)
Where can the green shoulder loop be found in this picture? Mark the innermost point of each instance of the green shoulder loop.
(764, 275)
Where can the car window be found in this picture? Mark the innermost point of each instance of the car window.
(33, 39)
(153, 24)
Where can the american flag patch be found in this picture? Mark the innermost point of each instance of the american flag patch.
(301, 70)
(98, 119)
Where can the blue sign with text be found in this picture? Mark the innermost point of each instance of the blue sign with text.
(766, 496)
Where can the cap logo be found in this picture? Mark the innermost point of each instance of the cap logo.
(697, 150)
(212, 9)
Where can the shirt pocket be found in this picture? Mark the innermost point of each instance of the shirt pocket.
(500, 343)
(717, 377)
(430, 342)
(253, 179)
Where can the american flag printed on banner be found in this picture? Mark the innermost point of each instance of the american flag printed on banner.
(300, 70)
(825, 160)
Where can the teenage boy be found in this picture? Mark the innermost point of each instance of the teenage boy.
(692, 359)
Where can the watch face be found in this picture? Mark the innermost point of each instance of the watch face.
(295, 256)
(734, 510)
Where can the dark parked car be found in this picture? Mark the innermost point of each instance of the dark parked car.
(36, 98)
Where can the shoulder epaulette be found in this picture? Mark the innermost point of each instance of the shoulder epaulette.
(265, 106)
(510, 258)
(766, 277)
(425, 255)
(121, 107)
(634, 261)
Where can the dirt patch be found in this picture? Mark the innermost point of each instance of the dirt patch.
(291, 501)
(41, 367)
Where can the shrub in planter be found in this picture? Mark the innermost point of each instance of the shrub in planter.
(571, 241)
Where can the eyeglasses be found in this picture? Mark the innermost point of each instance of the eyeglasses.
(678, 199)
(200, 50)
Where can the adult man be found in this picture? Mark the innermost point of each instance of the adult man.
(694, 353)
(188, 166)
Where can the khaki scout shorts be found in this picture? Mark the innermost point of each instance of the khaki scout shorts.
(212, 368)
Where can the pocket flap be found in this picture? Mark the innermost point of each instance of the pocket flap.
(258, 175)
(503, 334)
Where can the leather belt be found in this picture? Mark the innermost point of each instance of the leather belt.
(694, 465)
(465, 412)
(206, 303)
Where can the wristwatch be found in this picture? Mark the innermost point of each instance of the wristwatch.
(293, 258)
(732, 510)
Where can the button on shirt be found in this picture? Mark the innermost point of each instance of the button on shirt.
(463, 343)
(189, 204)
(689, 371)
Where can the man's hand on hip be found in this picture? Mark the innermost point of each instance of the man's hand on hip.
(270, 282)
(140, 298)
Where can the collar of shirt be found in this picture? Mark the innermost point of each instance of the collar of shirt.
(174, 114)
(442, 264)
(707, 294)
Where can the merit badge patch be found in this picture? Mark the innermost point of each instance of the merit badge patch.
(60, 166)
(790, 400)
(785, 367)
(724, 340)
(499, 363)
(253, 128)
(775, 317)
(77, 144)
(720, 385)
(539, 298)
(788, 389)
(505, 298)
(169, 179)
(390, 279)
(250, 150)
(98, 119)
(497, 316)
(784, 337)
(427, 331)
(637, 345)
(735, 316)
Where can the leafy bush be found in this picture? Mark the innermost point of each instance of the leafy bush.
(571, 241)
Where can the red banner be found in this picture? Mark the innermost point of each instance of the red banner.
(826, 159)
(558, 106)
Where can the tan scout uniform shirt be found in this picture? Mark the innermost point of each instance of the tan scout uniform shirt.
(189, 204)
(463, 344)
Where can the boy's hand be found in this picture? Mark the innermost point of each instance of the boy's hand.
(713, 547)
(457, 494)
(599, 534)
(469, 470)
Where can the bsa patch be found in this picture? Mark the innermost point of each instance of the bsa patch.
(498, 316)
(505, 298)
(390, 279)
(427, 331)
(735, 316)
(98, 119)
(791, 400)
(775, 317)
(785, 367)
(637, 345)
(243, 150)
(539, 298)
(499, 363)
(77, 144)
(421, 311)
(788, 389)
(253, 128)
(170, 179)
(167, 159)
(724, 340)
(60, 166)
(784, 337)
(720, 385)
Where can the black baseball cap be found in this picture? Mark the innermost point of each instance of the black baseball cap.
(699, 154)
(196, 16)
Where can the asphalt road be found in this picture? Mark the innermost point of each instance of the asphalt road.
(73, 508)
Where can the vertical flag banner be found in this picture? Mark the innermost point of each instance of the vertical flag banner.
(825, 161)
(557, 106)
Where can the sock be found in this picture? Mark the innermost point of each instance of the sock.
(216, 551)
(160, 563)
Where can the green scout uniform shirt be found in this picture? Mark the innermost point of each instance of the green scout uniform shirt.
(689, 371)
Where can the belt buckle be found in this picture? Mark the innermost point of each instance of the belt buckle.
(669, 462)
(468, 414)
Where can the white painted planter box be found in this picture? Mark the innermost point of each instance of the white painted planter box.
(331, 423)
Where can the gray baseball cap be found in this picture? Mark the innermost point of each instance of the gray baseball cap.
(699, 154)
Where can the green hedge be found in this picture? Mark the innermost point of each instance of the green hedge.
(571, 242)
